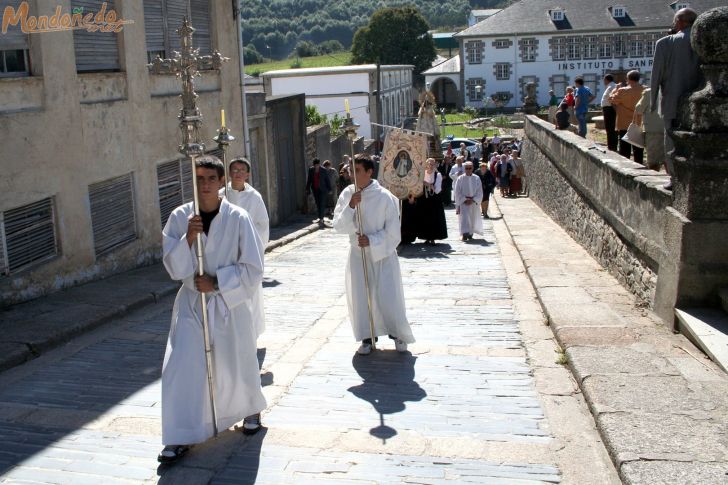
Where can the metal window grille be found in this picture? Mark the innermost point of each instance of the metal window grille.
(591, 46)
(27, 236)
(162, 18)
(573, 47)
(95, 51)
(112, 213)
(174, 182)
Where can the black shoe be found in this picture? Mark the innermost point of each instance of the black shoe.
(251, 424)
(172, 453)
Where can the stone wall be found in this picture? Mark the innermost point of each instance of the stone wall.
(613, 207)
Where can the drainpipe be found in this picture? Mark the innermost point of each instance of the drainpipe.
(237, 6)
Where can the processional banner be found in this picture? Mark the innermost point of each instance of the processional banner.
(402, 167)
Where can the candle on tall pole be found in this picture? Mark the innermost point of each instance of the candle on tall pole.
(223, 139)
(350, 128)
(186, 64)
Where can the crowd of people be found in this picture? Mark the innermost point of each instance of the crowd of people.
(634, 120)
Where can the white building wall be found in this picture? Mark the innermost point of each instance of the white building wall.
(321, 84)
(544, 68)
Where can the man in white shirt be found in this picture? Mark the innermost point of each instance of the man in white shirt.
(610, 114)
(468, 196)
(242, 194)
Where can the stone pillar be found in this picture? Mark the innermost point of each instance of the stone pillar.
(695, 267)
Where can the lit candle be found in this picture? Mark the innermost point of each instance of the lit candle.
(222, 118)
(346, 105)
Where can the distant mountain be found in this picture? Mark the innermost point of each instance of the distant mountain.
(275, 27)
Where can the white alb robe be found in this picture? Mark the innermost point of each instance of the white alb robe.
(469, 217)
(380, 211)
(234, 253)
(251, 200)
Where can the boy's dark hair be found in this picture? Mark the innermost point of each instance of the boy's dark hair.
(211, 161)
(316, 161)
(579, 81)
(609, 78)
(242, 160)
(365, 161)
(563, 107)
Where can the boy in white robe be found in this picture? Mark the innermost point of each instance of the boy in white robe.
(242, 194)
(468, 196)
(378, 238)
(233, 260)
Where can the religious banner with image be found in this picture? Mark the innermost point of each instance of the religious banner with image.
(402, 167)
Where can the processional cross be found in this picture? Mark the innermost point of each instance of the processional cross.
(186, 65)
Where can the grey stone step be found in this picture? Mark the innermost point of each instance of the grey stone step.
(707, 328)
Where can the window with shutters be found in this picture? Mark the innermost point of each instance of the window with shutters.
(112, 213)
(28, 236)
(162, 18)
(14, 53)
(174, 182)
(95, 51)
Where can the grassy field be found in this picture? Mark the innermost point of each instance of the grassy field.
(459, 131)
(326, 60)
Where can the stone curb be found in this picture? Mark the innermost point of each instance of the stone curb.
(654, 398)
(14, 353)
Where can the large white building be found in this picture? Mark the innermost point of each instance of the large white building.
(551, 42)
(328, 87)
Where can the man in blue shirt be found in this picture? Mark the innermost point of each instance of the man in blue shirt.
(582, 97)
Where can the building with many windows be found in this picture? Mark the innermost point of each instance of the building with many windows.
(88, 137)
(551, 42)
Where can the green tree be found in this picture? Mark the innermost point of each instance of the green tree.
(305, 48)
(251, 55)
(395, 36)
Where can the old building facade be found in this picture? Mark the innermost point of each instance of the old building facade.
(88, 138)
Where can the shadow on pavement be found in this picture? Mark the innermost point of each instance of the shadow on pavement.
(439, 250)
(388, 384)
(270, 282)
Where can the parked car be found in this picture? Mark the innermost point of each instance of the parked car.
(469, 145)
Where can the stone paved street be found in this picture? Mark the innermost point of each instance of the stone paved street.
(478, 399)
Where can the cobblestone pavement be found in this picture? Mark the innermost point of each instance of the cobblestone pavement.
(465, 405)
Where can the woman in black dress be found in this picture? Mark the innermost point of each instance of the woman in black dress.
(429, 206)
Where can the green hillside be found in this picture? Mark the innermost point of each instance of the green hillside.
(274, 27)
(326, 60)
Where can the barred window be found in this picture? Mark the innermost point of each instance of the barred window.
(591, 46)
(112, 213)
(502, 43)
(14, 54)
(559, 83)
(650, 40)
(174, 183)
(28, 236)
(502, 70)
(620, 45)
(573, 48)
(162, 18)
(605, 46)
(558, 48)
(470, 86)
(475, 51)
(528, 49)
(636, 45)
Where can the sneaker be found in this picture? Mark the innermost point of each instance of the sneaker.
(400, 345)
(251, 424)
(364, 349)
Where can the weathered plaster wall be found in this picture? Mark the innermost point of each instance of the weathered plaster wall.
(613, 207)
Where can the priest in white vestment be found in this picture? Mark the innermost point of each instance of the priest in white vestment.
(242, 194)
(468, 196)
(233, 264)
(378, 237)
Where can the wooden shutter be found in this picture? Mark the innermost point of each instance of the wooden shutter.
(154, 25)
(14, 38)
(29, 235)
(3, 253)
(174, 182)
(112, 213)
(201, 22)
(95, 51)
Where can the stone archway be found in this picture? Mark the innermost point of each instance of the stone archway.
(446, 92)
